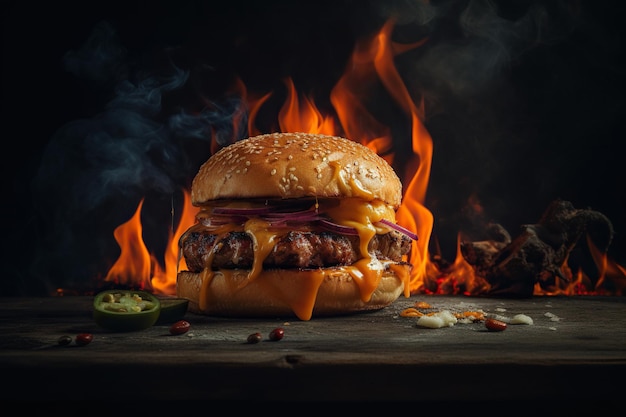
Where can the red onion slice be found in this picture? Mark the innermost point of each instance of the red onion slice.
(337, 228)
(220, 220)
(398, 228)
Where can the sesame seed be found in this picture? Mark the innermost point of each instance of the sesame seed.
(273, 171)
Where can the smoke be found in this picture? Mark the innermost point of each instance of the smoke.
(101, 58)
(507, 88)
(94, 171)
(486, 45)
(484, 128)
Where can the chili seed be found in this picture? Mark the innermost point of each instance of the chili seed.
(494, 325)
(254, 338)
(180, 327)
(277, 334)
(83, 339)
(65, 340)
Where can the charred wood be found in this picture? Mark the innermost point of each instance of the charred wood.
(513, 267)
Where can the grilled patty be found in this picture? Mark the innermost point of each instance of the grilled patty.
(295, 249)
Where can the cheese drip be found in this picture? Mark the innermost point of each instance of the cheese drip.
(263, 241)
(360, 215)
(300, 296)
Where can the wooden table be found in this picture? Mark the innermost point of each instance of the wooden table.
(575, 351)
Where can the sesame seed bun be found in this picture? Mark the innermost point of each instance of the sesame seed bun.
(242, 261)
(296, 165)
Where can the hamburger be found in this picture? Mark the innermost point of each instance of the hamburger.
(294, 224)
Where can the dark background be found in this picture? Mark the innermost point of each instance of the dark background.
(524, 102)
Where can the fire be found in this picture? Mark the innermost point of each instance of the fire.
(133, 265)
(370, 66)
(611, 278)
(136, 267)
(611, 273)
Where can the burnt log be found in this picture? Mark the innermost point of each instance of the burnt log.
(513, 267)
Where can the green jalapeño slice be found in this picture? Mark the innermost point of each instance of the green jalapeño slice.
(125, 310)
(172, 309)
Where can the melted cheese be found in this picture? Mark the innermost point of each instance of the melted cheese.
(360, 215)
(404, 275)
(203, 299)
(301, 297)
(366, 272)
(263, 240)
(349, 186)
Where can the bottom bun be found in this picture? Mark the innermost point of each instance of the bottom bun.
(302, 293)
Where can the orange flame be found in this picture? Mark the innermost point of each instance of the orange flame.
(136, 267)
(611, 278)
(371, 65)
(132, 268)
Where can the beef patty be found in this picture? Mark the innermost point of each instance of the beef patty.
(294, 249)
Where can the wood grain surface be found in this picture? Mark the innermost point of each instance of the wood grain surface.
(574, 345)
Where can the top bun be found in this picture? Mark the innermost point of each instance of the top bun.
(296, 165)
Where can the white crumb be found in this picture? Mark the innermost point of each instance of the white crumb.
(521, 319)
(516, 319)
(438, 320)
(552, 317)
(501, 318)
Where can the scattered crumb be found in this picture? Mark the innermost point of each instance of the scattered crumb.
(437, 320)
(501, 318)
(411, 312)
(465, 314)
(470, 316)
(521, 319)
(552, 317)
(422, 304)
